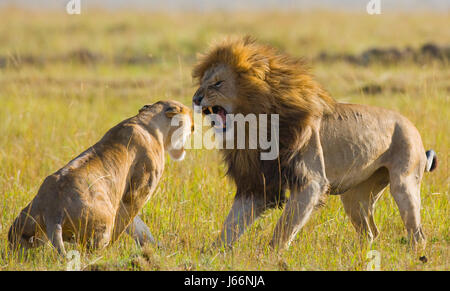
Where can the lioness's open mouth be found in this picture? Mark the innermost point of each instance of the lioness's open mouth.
(218, 111)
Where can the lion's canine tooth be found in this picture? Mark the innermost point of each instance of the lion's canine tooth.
(210, 109)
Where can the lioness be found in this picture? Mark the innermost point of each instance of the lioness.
(324, 146)
(97, 195)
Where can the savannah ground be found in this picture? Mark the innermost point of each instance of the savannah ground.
(65, 80)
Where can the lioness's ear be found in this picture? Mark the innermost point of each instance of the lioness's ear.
(145, 107)
(172, 111)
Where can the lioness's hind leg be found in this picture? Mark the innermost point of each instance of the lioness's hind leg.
(54, 235)
(359, 202)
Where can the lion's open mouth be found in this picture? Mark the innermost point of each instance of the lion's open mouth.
(219, 120)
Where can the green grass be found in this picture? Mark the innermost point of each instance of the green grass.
(50, 112)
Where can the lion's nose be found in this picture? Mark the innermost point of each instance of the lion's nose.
(197, 99)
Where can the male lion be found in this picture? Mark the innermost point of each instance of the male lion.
(96, 196)
(325, 147)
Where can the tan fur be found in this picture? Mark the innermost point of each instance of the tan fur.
(325, 146)
(97, 195)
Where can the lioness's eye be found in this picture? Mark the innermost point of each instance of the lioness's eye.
(218, 84)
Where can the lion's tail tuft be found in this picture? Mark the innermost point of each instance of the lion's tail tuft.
(431, 161)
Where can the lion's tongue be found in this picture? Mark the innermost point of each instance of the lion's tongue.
(222, 115)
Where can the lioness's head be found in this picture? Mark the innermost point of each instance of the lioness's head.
(174, 121)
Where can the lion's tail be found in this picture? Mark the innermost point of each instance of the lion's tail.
(431, 161)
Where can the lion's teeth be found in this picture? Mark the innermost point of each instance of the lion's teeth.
(210, 109)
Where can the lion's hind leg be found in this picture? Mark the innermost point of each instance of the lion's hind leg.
(359, 202)
(406, 192)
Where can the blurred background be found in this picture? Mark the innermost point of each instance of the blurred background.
(233, 5)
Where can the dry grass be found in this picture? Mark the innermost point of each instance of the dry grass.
(52, 110)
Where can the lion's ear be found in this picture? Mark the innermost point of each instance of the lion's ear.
(172, 111)
(260, 67)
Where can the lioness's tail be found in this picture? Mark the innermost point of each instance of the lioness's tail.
(22, 231)
(431, 161)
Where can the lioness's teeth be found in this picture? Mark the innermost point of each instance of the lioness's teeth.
(210, 109)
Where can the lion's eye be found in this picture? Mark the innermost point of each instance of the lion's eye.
(218, 84)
